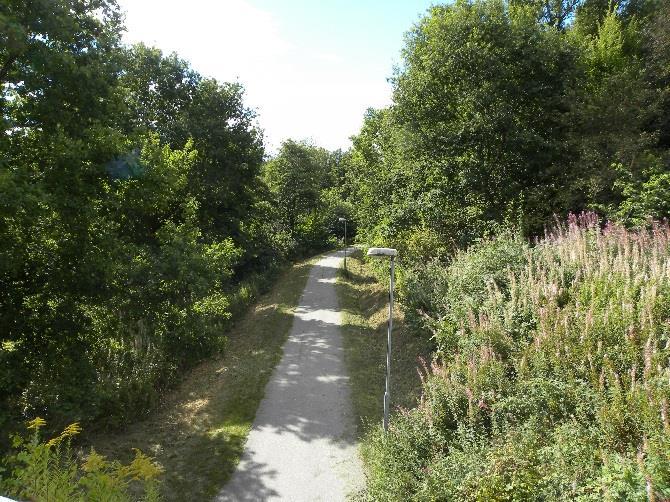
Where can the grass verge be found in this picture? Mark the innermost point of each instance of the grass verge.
(198, 434)
(364, 303)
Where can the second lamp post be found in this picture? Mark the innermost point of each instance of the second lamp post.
(345, 241)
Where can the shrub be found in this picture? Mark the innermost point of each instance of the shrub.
(47, 470)
(552, 382)
(438, 298)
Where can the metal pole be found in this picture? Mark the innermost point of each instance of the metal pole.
(387, 393)
(345, 245)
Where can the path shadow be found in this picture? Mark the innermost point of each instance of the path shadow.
(307, 398)
(253, 478)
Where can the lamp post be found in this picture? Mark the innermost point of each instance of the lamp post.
(345, 241)
(391, 253)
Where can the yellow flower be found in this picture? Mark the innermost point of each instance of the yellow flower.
(94, 462)
(37, 423)
(68, 432)
(71, 430)
(143, 467)
(54, 441)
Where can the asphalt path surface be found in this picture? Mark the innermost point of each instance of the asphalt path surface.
(302, 443)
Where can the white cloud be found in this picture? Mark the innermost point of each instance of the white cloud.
(299, 91)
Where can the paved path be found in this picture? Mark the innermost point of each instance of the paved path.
(301, 446)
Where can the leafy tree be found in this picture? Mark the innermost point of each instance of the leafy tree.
(607, 131)
(302, 181)
(502, 116)
(657, 52)
(374, 176)
(296, 176)
(477, 133)
(619, 141)
(58, 78)
(125, 179)
(57, 62)
(157, 91)
(556, 13)
(163, 94)
(226, 178)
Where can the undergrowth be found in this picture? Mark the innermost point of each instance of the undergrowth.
(47, 470)
(551, 380)
(199, 431)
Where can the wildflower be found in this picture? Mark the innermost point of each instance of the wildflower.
(71, 430)
(37, 423)
(94, 462)
(143, 467)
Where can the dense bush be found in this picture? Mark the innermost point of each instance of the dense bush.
(552, 381)
(437, 297)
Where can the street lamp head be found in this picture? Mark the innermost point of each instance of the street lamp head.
(382, 252)
(341, 219)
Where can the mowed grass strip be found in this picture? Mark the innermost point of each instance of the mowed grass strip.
(198, 434)
(364, 302)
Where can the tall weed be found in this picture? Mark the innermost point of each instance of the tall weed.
(48, 471)
(552, 379)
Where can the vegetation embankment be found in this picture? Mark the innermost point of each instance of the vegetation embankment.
(552, 379)
(549, 377)
(198, 433)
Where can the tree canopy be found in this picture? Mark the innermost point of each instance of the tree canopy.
(511, 112)
(134, 218)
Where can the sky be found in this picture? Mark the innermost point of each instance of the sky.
(310, 68)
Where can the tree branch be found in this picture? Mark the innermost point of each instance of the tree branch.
(4, 71)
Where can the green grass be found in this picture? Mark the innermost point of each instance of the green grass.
(364, 302)
(199, 432)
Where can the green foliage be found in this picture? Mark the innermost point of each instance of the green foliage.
(131, 215)
(476, 133)
(452, 291)
(304, 190)
(554, 13)
(163, 95)
(508, 112)
(551, 380)
(57, 60)
(47, 470)
(645, 194)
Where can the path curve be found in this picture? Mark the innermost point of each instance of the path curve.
(302, 445)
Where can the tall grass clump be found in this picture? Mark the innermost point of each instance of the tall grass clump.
(552, 375)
